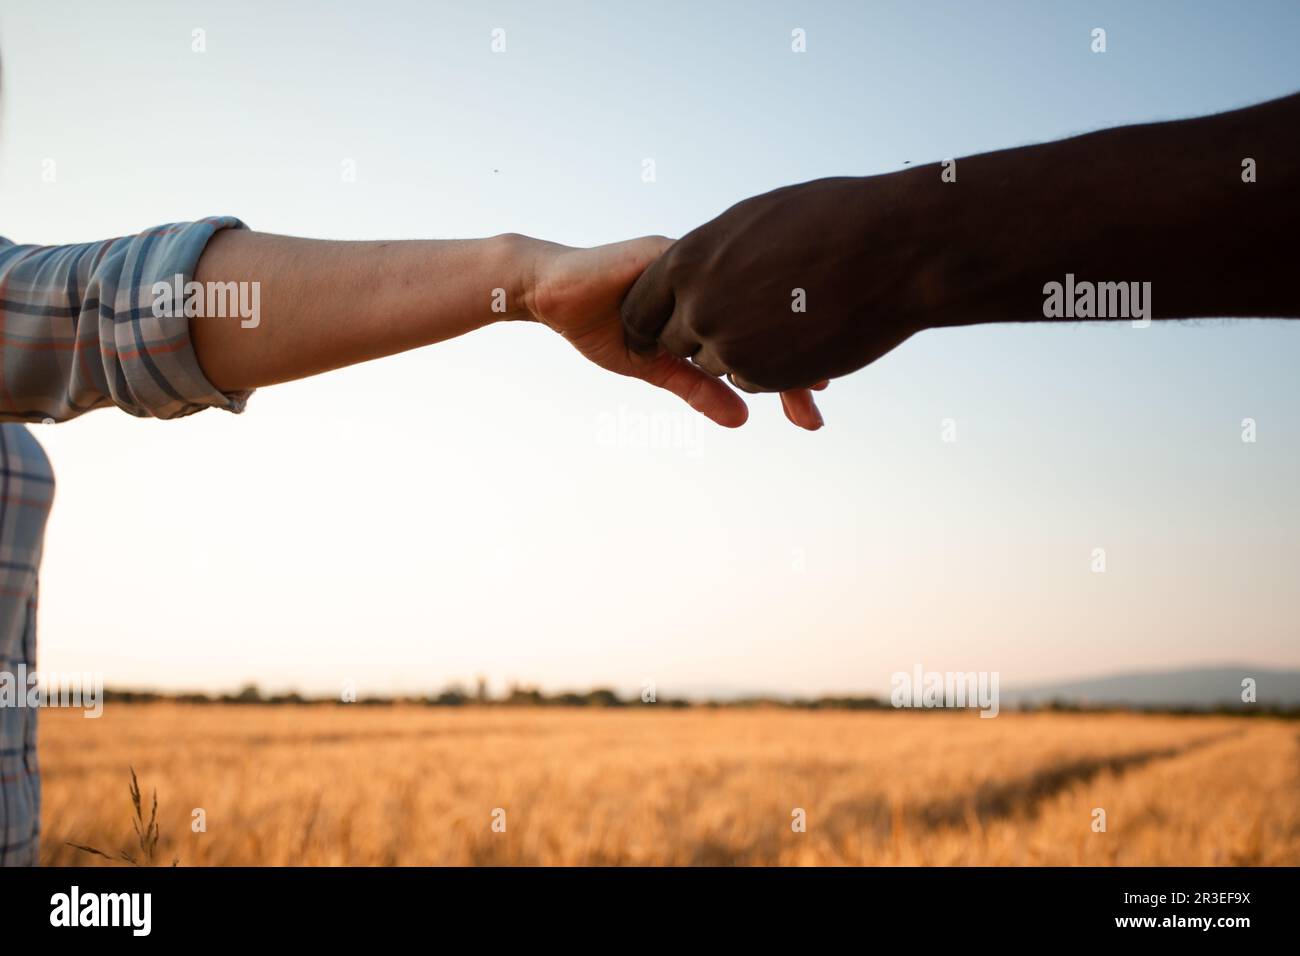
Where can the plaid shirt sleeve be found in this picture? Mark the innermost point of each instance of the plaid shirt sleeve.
(78, 329)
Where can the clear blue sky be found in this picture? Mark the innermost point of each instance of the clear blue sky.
(493, 506)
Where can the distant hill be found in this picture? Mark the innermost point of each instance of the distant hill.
(1201, 688)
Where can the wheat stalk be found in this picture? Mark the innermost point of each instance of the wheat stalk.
(146, 834)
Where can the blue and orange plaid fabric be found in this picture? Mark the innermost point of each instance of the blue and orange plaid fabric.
(77, 332)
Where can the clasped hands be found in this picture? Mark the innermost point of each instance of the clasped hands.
(770, 296)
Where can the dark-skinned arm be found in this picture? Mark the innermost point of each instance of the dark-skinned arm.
(874, 260)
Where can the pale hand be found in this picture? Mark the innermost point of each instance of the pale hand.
(578, 292)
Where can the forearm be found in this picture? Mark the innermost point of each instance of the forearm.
(861, 264)
(324, 305)
(1161, 203)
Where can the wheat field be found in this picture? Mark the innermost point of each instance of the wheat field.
(407, 785)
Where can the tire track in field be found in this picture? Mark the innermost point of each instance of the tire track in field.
(1023, 795)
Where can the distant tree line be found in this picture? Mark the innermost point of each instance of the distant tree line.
(456, 695)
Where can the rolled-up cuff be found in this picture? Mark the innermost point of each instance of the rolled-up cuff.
(151, 325)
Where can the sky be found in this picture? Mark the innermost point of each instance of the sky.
(496, 506)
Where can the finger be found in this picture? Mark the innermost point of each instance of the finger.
(679, 340)
(707, 395)
(646, 309)
(706, 359)
(801, 409)
(745, 385)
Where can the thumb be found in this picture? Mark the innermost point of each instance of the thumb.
(647, 248)
(630, 257)
(647, 307)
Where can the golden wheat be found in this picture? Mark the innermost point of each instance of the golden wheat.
(410, 785)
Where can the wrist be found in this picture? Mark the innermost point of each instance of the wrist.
(996, 234)
(515, 259)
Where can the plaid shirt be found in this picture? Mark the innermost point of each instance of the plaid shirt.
(77, 331)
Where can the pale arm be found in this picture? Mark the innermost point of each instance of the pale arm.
(325, 305)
